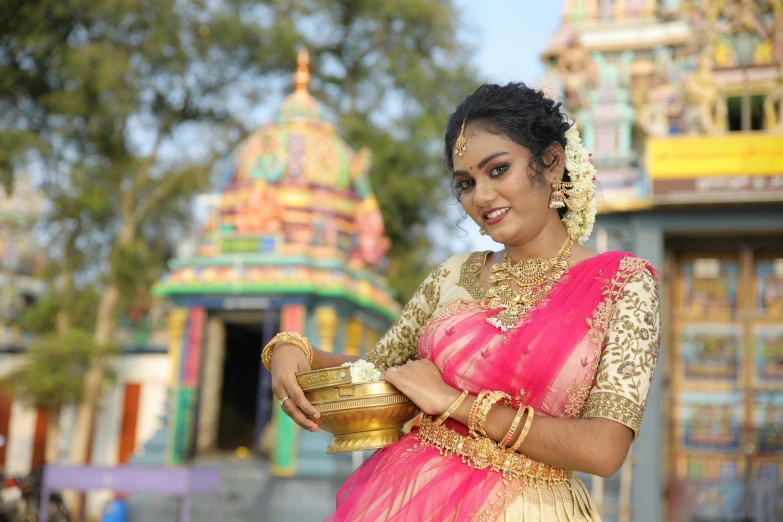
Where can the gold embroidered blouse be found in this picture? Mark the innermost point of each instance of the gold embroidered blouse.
(630, 342)
(401, 342)
(630, 351)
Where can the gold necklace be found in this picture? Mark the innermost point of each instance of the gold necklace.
(532, 277)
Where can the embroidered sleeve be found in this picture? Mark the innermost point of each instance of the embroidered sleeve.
(630, 351)
(400, 343)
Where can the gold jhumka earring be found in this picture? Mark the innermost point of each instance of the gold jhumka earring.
(564, 194)
(483, 232)
(557, 199)
(462, 142)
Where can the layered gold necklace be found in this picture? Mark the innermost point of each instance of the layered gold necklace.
(518, 286)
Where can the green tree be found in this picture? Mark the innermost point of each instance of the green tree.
(109, 99)
(51, 377)
(93, 94)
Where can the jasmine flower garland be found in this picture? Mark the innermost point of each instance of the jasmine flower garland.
(579, 164)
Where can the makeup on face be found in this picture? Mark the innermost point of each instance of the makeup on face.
(481, 163)
(463, 180)
(492, 179)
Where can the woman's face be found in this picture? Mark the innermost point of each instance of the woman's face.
(493, 176)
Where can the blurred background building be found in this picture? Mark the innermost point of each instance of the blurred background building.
(294, 242)
(681, 104)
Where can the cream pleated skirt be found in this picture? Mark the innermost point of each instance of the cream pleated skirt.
(564, 502)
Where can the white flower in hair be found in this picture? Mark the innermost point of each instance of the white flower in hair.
(581, 195)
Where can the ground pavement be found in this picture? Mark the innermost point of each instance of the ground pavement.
(250, 494)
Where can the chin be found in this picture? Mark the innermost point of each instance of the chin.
(503, 233)
(499, 237)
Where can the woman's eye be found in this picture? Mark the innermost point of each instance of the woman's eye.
(497, 171)
(464, 184)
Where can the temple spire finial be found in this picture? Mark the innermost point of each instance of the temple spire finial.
(302, 76)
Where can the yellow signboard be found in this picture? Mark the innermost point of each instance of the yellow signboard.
(733, 154)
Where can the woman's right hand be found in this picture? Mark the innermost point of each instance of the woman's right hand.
(287, 361)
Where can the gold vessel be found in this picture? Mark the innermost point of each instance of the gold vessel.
(362, 416)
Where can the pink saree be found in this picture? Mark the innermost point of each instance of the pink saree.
(549, 360)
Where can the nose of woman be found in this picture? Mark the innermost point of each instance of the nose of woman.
(483, 194)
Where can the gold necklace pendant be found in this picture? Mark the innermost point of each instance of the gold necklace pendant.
(533, 278)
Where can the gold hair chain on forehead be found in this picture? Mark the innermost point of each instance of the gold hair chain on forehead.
(462, 142)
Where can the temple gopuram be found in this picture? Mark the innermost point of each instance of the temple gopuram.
(681, 104)
(294, 241)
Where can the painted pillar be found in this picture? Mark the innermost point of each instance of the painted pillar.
(263, 405)
(646, 489)
(326, 321)
(371, 338)
(586, 127)
(353, 336)
(186, 330)
(619, 9)
(286, 448)
(211, 385)
(625, 124)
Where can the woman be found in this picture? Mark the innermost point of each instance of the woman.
(530, 363)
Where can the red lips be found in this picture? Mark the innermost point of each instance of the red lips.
(497, 219)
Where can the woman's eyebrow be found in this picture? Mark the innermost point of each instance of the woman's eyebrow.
(490, 158)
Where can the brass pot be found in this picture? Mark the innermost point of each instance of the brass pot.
(359, 416)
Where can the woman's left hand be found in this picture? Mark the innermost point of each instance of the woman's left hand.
(422, 383)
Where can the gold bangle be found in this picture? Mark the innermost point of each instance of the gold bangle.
(528, 422)
(298, 340)
(490, 400)
(473, 410)
(487, 400)
(514, 426)
(440, 420)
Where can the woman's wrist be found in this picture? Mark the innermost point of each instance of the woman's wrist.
(450, 396)
(293, 338)
(285, 349)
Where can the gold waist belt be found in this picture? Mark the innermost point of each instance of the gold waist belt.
(484, 453)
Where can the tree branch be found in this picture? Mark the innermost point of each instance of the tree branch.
(158, 195)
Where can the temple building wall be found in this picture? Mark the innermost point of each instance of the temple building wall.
(681, 104)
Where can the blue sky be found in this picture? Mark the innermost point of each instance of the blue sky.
(509, 37)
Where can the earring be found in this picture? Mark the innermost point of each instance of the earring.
(557, 199)
(483, 232)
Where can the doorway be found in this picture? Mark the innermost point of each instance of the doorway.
(239, 394)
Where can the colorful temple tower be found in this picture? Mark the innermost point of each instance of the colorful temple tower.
(681, 103)
(293, 242)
